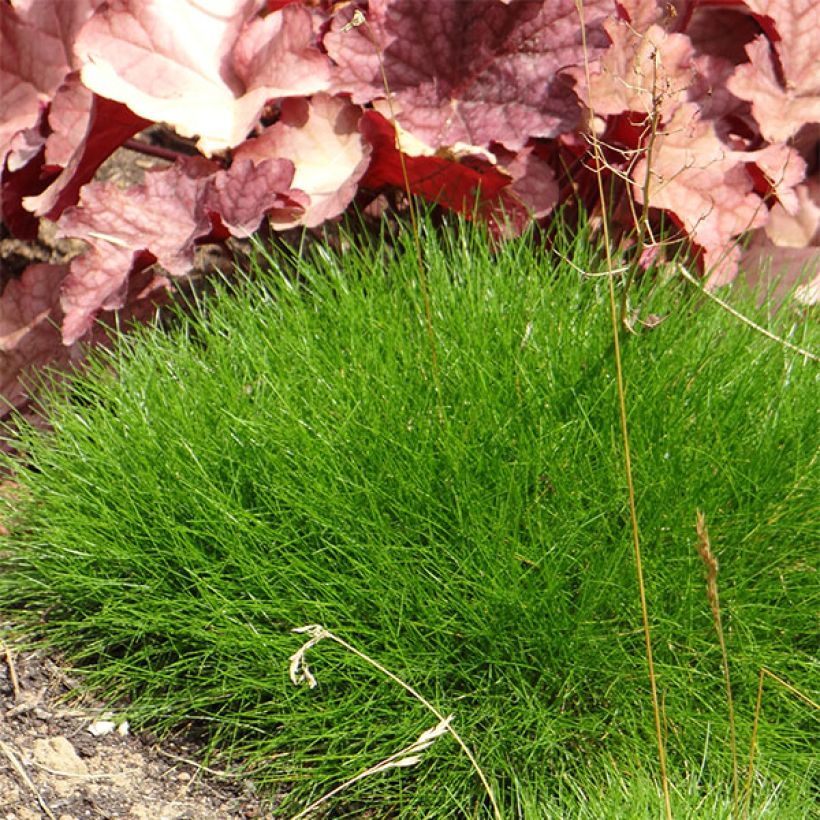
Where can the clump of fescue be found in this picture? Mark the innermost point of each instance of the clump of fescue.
(283, 457)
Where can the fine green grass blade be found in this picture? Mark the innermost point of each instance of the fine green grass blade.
(281, 458)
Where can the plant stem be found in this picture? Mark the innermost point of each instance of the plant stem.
(625, 435)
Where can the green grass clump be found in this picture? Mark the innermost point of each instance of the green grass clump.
(287, 456)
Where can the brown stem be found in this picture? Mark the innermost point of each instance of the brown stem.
(150, 150)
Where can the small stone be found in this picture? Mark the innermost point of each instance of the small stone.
(102, 727)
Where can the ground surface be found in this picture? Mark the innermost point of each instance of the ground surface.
(53, 766)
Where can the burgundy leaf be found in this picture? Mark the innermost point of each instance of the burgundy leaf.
(30, 339)
(476, 188)
(471, 72)
(732, 117)
(161, 220)
(28, 301)
(722, 32)
(29, 332)
(14, 185)
(355, 50)
(127, 230)
(146, 290)
(241, 196)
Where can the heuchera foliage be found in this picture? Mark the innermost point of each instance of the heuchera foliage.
(491, 104)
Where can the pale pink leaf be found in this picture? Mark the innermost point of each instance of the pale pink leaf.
(321, 138)
(641, 14)
(173, 62)
(721, 264)
(809, 293)
(705, 185)
(36, 41)
(794, 28)
(533, 182)
(782, 271)
(68, 120)
(780, 113)
(782, 168)
(276, 56)
(23, 147)
(640, 72)
(782, 104)
(801, 227)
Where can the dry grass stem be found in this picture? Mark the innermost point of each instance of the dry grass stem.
(727, 307)
(21, 773)
(200, 768)
(625, 437)
(15, 683)
(300, 672)
(408, 756)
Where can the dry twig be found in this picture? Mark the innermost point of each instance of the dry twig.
(21, 773)
(15, 683)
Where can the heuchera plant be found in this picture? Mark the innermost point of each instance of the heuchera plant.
(707, 111)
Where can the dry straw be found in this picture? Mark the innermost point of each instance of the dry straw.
(410, 755)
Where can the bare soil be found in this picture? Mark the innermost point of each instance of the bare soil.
(58, 761)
